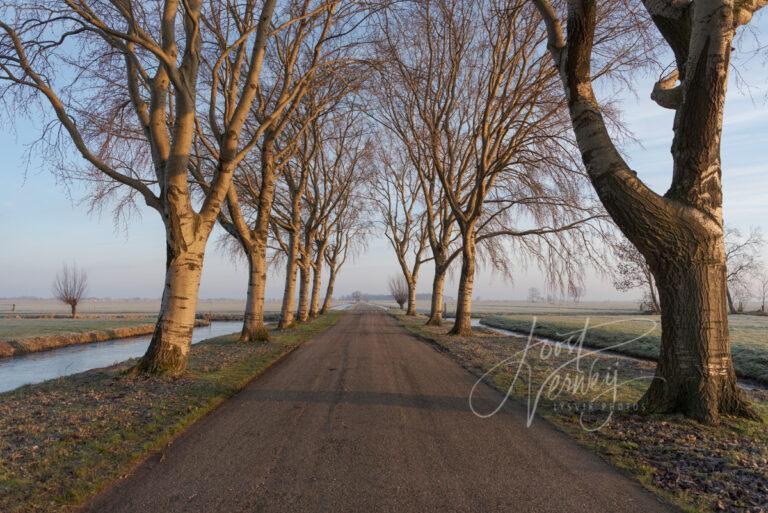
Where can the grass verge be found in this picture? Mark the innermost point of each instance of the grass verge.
(63, 440)
(698, 468)
(749, 336)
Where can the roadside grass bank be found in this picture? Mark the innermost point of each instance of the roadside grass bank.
(22, 336)
(698, 468)
(63, 440)
(749, 336)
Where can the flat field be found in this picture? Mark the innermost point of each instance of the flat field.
(92, 306)
(749, 335)
(12, 328)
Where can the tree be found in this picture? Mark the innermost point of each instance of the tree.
(349, 235)
(395, 194)
(632, 272)
(398, 288)
(307, 50)
(130, 85)
(681, 233)
(70, 286)
(534, 295)
(742, 260)
(468, 93)
(762, 287)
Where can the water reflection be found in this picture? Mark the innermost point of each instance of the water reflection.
(38, 367)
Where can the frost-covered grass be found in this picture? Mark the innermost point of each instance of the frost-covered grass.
(62, 440)
(749, 335)
(11, 328)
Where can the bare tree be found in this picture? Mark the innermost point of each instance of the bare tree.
(309, 48)
(395, 193)
(632, 271)
(681, 233)
(349, 234)
(398, 288)
(534, 295)
(129, 85)
(762, 287)
(70, 286)
(742, 260)
(468, 92)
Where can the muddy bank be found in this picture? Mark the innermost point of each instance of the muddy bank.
(16, 347)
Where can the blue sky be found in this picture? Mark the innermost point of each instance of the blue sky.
(41, 227)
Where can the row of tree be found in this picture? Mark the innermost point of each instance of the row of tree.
(474, 124)
(237, 113)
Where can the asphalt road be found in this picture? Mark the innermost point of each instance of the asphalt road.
(366, 418)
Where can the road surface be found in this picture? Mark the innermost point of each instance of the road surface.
(366, 418)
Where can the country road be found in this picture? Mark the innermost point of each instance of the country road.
(366, 418)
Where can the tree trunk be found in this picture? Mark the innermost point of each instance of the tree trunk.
(695, 372)
(731, 308)
(254, 329)
(463, 324)
(169, 348)
(436, 308)
(289, 293)
(411, 296)
(317, 282)
(329, 291)
(681, 233)
(253, 325)
(304, 272)
(73, 307)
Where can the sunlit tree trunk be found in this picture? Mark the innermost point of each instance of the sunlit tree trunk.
(305, 278)
(254, 328)
(169, 347)
(463, 323)
(317, 280)
(329, 291)
(681, 233)
(253, 317)
(438, 286)
(287, 312)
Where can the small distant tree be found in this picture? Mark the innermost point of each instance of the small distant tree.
(398, 287)
(534, 295)
(632, 272)
(575, 292)
(742, 257)
(357, 296)
(762, 287)
(70, 286)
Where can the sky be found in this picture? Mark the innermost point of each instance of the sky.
(43, 224)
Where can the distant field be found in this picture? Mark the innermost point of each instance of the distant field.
(483, 307)
(113, 306)
(27, 328)
(749, 335)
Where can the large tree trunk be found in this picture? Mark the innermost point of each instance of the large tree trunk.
(329, 291)
(172, 338)
(681, 233)
(304, 290)
(436, 308)
(695, 372)
(289, 293)
(463, 324)
(254, 329)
